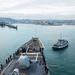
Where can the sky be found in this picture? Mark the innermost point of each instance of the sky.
(38, 9)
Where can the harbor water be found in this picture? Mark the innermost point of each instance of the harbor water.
(60, 62)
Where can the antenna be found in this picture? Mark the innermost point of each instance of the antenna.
(35, 32)
(60, 35)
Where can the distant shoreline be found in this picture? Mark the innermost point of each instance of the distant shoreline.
(38, 22)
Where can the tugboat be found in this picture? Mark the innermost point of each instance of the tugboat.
(61, 43)
(29, 59)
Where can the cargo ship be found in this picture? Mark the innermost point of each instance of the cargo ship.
(29, 59)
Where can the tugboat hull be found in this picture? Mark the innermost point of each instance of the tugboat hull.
(61, 44)
(59, 48)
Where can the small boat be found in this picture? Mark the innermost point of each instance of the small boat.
(61, 43)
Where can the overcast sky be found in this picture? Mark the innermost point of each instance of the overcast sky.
(49, 9)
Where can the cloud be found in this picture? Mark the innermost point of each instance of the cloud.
(45, 7)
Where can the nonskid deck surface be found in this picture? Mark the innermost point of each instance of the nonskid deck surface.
(34, 51)
(34, 42)
(34, 69)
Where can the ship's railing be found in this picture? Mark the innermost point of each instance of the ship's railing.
(2, 66)
(45, 64)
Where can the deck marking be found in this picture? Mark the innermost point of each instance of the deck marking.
(23, 73)
(6, 68)
(30, 53)
(36, 56)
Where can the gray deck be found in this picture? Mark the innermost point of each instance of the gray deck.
(34, 69)
(37, 68)
(31, 43)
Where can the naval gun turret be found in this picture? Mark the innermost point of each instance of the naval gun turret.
(24, 62)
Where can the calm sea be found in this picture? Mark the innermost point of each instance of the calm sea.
(60, 62)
